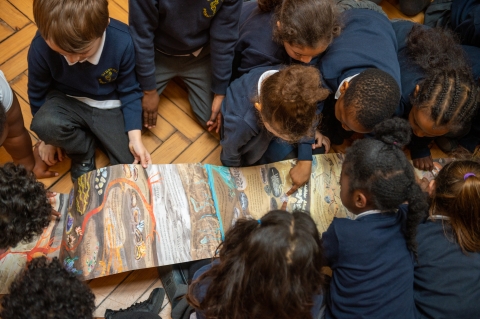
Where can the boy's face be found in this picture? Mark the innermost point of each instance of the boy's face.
(75, 57)
(423, 125)
(348, 119)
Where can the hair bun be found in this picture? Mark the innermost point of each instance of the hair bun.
(395, 131)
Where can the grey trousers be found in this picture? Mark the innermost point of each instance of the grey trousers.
(77, 128)
(196, 72)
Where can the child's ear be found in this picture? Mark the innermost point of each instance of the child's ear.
(344, 87)
(278, 24)
(360, 199)
(417, 89)
(258, 106)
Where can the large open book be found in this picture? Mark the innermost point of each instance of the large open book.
(124, 217)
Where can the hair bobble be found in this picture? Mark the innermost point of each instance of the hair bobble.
(259, 221)
(468, 175)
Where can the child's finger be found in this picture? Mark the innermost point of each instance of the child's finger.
(292, 190)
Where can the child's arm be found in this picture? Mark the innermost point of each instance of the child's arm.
(331, 245)
(223, 37)
(137, 148)
(420, 153)
(19, 144)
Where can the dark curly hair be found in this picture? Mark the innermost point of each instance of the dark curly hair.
(3, 118)
(459, 198)
(373, 96)
(289, 100)
(380, 167)
(268, 5)
(306, 22)
(24, 208)
(47, 290)
(448, 89)
(266, 269)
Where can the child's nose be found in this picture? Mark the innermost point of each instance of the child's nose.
(306, 59)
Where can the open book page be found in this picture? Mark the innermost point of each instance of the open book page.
(253, 191)
(48, 243)
(126, 218)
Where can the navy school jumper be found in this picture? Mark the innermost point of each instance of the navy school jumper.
(367, 41)
(372, 269)
(244, 139)
(447, 280)
(113, 78)
(465, 20)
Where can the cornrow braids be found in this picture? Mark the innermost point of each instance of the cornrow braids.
(380, 167)
(448, 89)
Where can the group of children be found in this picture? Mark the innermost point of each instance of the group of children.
(278, 79)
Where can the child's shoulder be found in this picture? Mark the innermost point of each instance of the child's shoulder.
(118, 26)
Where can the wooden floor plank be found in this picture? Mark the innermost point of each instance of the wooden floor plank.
(129, 290)
(19, 86)
(117, 12)
(198, 150)
(179, 97)
(12, 16)
(16, 65)
(103, 287)
(5, 30)
(179, 119)
(151, 141)
(163, 130)
(170, 149)
(123, 4)
(17, 42)
(25, 6)
(214, 157)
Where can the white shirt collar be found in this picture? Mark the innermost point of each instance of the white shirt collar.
(433, 217)
(337, 94)
(95, 58)
(263, 77)
(370, 212)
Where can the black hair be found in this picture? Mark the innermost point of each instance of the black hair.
(448, 89)
(3, 118)
(268, 5)
(47, 290)
(380, 167)
(373, 96)
(24, 208)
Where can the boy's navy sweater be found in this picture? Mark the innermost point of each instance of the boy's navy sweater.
(255, 46)
(367, 41)
(113, 78)
(411, 75)
(465, 20)
(202, 289)
(243, 138)
(447, 280)
(179, 27)
(372, 269)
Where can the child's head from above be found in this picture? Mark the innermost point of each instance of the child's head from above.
(45, 289)
(270, 268)
(366, 100)
(456, 194)
(24, 208)
(288, 100)
(376, 175)
(3, 124)
(73, 28)
(306, 27)
(446, 99)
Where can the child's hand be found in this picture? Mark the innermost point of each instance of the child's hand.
(137, 148)
(51, 198)
(427, 186)
(49, 153)
(424, 163)
(300, 175)
(41, 168)
(150, 102)
(320, 140)
(215, 121)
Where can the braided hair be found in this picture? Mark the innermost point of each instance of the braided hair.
(380, 167)
(448, 89)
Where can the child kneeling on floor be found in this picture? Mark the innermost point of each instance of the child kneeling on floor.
(447, 273)
(371, 256)
(267, 268)
(82, 86)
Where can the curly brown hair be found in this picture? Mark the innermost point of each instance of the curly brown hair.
(269, 268)
(24, 208)
(306, 23)
(289, 101)
(47, 290)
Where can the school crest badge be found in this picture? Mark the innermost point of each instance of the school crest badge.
(108, 76)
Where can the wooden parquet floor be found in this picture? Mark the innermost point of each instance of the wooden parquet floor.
(177, 138)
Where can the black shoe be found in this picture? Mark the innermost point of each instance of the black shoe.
(79, 168)
(152, 305)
